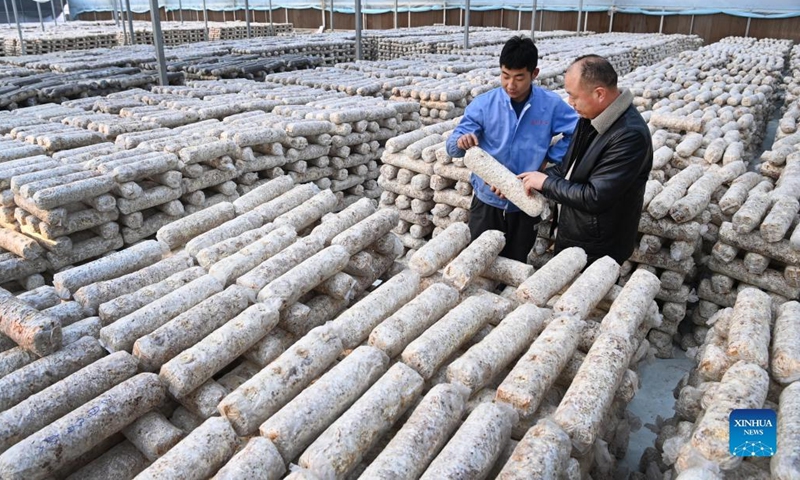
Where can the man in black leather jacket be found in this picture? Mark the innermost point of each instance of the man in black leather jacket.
(600, 184)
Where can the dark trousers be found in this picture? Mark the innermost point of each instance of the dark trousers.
(519, 228)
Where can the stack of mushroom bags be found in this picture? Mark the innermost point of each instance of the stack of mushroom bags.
(749, 360)
(263, 317)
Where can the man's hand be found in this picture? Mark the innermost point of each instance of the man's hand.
(497, 192)
(532, 181)
(467, 141)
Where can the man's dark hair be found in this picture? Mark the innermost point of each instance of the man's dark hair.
(519, 52)
(596, 71)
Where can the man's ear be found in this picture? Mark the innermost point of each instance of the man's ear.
(535, 73)
(600, 93)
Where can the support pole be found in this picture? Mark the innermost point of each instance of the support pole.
(53, 11)
(444, 12)
(747, 30)
(502, 12)
(158, 40)
(466, 26)
(611, 21)
(541, 21)
(271, 27)
(66, 18)
(580, 13)
(519, 19)
(332, 18)
(322, 12)
(114, 12)
(205, 18)
(359, 53)
(533, 21)
(408, 23)
(19, 29)
(124, 27)
(8, 17)
(39, 9)
(130, 21)
(180, 10)
(247, 17)
(661, 24)
(396, 8)
(691, 25)
(585, 21)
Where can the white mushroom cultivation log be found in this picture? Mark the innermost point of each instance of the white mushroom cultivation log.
(500, 177)
(123, 333)
(296, 425)
(195, 365)
(785, 360)
(589, 288)
(749, 330)
(258, 459)
(475, 259)
(356, 323)
(476, 445)
(178, 233)
(341, 446)
(198, 455)
(301, 279)
(786, 461)
(440, 250)
(428, 352)
(587, 400)
(111, 266)
(293, 255)
(508, 272)
(57, 400)
(543, 453)
(364, 233)
(153, 434)
(632, 304)
(190, 327)
(257, 399)
(409, 322)
(27, 327)
(124, 460)
(422, 436)
(744, 385)
(476, 368)
(263, 194)
(552, 277)
(533, 375)
(44, 452)
(35, 377)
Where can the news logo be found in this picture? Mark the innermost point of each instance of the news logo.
(753, 433)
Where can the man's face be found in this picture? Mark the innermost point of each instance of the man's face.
(517, 82)
(585, 100)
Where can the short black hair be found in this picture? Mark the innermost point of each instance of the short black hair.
(519, 52)
(596, 71)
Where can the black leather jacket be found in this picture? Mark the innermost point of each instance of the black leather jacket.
(601, 203)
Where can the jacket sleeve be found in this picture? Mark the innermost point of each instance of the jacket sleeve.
(619, 165)
(564, 121)
(471, 122)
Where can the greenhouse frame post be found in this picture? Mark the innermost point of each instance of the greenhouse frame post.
(114, 12)
(130, 21)
(691, 25)
(444, 12)
(396, 10)
(747, 29)
(611, 21)
(580, 13)
(39, 9)
(271, 28)
(66, 18)
(53, 11)
(322, 12)
(19, 29)
(158, 40)
(533, 21)
(359, 53)
(124, 27)
(661, 22)
(8, 17)
(466, 26)
(180, 11)
(205, 18)
(585, 21)
(247, 17)
(331, 21)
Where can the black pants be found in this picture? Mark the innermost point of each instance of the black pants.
(519, 228)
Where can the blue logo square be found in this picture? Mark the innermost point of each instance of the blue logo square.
(753, 433)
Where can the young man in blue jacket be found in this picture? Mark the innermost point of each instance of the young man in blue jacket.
(515, 124)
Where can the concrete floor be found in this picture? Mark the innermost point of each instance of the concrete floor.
(654, 398)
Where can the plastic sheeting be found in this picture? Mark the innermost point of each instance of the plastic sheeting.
(743, 8)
